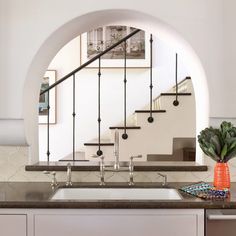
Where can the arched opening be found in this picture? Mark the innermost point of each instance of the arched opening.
(92, 20)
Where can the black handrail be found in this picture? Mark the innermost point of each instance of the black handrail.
(90, 61)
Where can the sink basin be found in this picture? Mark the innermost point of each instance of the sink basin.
(116, 194)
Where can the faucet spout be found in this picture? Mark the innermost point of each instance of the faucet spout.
(116, 150)
(164, 183)
(102, 169)
(131, 169)
(68, 182)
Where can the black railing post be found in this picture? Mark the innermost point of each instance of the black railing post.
(99, 151)
(176, 102)
(150, 118)
(125, 135)
(48, 134)
(73, 117)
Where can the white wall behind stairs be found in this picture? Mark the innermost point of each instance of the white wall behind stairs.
(67, 59)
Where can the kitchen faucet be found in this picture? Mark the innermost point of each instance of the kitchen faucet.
(131, 169)
(68, 181)
(116, 150)
(54, 182)
(102, 168)
(164, 183)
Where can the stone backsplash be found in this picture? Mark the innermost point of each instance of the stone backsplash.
(13, 160)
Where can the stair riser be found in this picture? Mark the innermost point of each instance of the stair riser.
(187, 102)
(185, 87)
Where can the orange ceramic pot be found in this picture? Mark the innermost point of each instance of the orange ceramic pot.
(221, 176)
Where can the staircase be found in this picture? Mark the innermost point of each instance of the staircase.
(148, 131)
(157, 137)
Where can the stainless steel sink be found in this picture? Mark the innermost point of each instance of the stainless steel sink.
(116, 194)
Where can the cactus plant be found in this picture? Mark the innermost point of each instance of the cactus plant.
(219, 143)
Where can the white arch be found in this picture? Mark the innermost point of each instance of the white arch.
(92, 20)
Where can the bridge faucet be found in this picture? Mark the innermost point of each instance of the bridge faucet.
(102, 169)
(116, 150)
(68, 181)
(164, 182)
(54, 182)
(131, 169)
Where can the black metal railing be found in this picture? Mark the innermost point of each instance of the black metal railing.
(125, 135)
(99, 152)
(72, 74)
(150, 118)
(48, 126)
(176, 101)
(73, 118)
(99, 74)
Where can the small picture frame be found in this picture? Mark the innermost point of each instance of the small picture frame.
(48, 79)
(97, 40)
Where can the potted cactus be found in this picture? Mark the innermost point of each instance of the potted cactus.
(220, 145)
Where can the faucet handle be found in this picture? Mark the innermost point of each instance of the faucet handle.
(131, 163)
(46, 172)
(133, 157)
(94, 156)
(164, 183)
(54, 179)
(97, 156)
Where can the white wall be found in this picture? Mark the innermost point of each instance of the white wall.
(66, 60)
(31, 32)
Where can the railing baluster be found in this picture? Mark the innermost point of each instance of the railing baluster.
(150, 118)
(48, 134)
(73, 117)
(125, 135)
(99, 152)
(176, 102)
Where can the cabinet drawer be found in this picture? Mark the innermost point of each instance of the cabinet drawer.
(116, 225)
(13, 225)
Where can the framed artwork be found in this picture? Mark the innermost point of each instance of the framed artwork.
(97, 40)
(48, 79)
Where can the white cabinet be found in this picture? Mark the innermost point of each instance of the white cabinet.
(117, 222)
(101, 222)
(13, 225)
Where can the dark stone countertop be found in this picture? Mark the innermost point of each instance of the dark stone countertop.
(138, 166)
(38, 195)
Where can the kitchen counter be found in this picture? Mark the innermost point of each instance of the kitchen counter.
(38, 195)
(138, 166)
